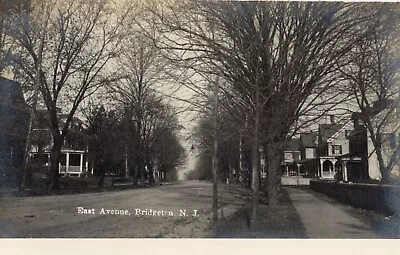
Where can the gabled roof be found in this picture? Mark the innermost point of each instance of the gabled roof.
(14, 112)
(308, 139)
(326, 131)
(11, 94)
(42, 120)
(342, 130)
(293, 144)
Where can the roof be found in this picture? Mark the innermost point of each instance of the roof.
(11, 93)
(42, 120)
(308, 139)
(293, 144)
(345, 126)
(14, 112)
(326, 131)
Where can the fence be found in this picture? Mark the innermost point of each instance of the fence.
(376, 197)
(295, 181)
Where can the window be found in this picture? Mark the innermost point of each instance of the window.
(74, 159)
(310, 153)
(336, 149)
(288, 157)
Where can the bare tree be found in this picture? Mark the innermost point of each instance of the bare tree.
(65, 47)
(274, 56)
(370, 70)
(144, 70)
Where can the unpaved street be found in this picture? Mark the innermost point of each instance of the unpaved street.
(59, 216)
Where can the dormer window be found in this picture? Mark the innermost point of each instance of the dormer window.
(336, 149)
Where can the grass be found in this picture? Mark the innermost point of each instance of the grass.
(279, 222)
(69, 185)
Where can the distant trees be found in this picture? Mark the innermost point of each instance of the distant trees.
(228, 149)
(166, 152)
(105, 143)
(144, 70)
(113, 142)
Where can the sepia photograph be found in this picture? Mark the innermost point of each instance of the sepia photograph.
(199, 119)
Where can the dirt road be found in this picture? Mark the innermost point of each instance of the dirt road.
(178, 210)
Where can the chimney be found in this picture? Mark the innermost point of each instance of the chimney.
(332, 119)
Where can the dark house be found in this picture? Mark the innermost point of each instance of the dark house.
(308, 152)
(291, 157)
(354, 165)
(14, 116)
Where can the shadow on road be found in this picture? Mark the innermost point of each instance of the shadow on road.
(279, 222)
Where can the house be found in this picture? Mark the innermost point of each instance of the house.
(14, 116)
(332, 143)
(290, 166)
(314, 154)
(73, 159)
(390, 145)
(353, 166)
(308, 154)
(361, 163)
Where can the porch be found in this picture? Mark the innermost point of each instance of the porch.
(73, 163)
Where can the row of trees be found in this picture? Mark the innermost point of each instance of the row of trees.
(66, 52)
(264, 70)
(115, 145)
(282, 65)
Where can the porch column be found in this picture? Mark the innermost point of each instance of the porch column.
(92, 167)
(345, 171)
(333, 167)
(321, 170)
(81, 164)
(67, 163)
(287, 170)
(87, 165)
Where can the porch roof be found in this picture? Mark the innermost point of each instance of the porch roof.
(349, 157)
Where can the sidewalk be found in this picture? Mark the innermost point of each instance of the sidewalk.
(322, 219)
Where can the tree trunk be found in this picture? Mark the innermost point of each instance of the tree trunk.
(382, 167)
(102, 171)
(54, 162)
(240, 174)
(255, 178)
(255, 158)
(135, 174)
(126, 161)
(215, 160)
(273, 184)
(377, 142)
(22, 181)
(101, 180)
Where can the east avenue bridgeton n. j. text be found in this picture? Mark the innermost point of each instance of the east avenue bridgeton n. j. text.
(138, 212)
